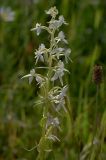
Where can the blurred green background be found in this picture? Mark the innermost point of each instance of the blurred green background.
(19, 119)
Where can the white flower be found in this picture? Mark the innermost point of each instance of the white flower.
(57, 52)
(37, 29)
(59, 72)
(61, 65)
(67, 54)
(39, 53)
(63, 92)
(61, 37)
(31, 76)
(52, 11)
(60, 105)
(52, 121)
(60, 99)
(54, 24)
(61, 20)
(7, 14)
(39, 79)
(57, 97)
(39, 56)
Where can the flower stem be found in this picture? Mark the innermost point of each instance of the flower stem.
(95, 123)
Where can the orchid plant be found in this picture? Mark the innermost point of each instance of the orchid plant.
(53, 90)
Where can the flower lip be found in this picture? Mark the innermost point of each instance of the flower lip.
(37, 29)
(39, 53)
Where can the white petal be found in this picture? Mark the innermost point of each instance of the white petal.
(30, 80)
(28, 75)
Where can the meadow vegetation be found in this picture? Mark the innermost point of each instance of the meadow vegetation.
(79, 127)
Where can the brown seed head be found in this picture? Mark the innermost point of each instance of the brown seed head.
(97, 74)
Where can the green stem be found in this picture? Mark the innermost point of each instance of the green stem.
(95, 124)
(40, 156)
(45, 90)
